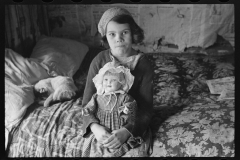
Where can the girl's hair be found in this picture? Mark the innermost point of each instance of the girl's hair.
(120, 76)
(136, 31)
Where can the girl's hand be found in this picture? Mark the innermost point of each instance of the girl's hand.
(101, 133)
(117, 138)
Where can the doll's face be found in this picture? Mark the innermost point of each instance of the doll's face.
(111, 83)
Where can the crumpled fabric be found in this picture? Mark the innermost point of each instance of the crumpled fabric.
(98, 79)
(22, 70)
(17, 99)
(60, 88)
(108, 15)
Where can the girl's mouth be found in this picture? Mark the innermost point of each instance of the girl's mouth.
(121, 46)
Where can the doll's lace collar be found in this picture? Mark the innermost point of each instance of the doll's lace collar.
(114, 92)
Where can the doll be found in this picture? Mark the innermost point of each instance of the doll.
(113, 107)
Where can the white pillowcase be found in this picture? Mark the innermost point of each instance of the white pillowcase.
(59, 56)
(23, 70)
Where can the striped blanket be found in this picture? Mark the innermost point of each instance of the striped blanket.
(49, 132)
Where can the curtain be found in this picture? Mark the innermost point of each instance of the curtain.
(24, 24)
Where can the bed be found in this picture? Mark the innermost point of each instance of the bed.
(188, 121)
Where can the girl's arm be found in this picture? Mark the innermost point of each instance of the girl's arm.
(130, 114)
(89, 87)
(144, 99)
(88, 113)
(88, 93)
(131, 120)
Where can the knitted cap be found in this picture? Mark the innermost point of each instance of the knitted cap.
(108, 15)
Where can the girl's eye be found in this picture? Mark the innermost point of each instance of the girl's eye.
(125, 32)
(111, 34)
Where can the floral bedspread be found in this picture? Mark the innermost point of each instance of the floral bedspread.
(203, 129)
(188, 120)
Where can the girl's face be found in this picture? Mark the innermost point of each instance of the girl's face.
(119, 38)
(110, 83)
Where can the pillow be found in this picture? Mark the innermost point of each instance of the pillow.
(22, 70)
(59, 56)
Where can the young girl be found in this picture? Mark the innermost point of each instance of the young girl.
(113, 107)
(120, 32)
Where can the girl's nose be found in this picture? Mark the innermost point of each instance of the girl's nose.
(119, 38)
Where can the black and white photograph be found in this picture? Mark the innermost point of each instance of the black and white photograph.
(119, 80)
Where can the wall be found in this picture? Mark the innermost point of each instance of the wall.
(182, 26)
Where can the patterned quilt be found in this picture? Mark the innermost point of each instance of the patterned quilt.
(188, 120)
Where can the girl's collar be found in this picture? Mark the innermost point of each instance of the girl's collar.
(133, 54)
(129, 62)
